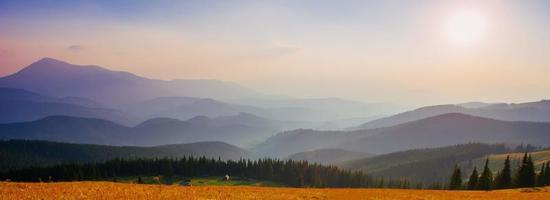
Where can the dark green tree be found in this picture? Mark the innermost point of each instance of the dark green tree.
(472, 181)
(541, 177)
(455, 183)
(547, 174)
(486, 179)
(525, 176)
(504, 179)
(531, 173)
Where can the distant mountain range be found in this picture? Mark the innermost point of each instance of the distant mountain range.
(339, 111)
(437, 131)
(112, 88)
(17, 154)
(17, 105)
(139, 98)
(531, 111)
(188, 107)
(242, 129)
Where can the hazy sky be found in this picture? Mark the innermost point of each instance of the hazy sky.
(410, 52)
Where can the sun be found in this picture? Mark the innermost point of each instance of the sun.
(466, 27)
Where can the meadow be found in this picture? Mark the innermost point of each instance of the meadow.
(110, 190)
(200, 181)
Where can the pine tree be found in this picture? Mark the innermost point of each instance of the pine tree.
(472, 181)
(541, 179)
(486, 178)
(504, 179)
(526, 174)
(455, 182)
(547, 174)
(531, 174)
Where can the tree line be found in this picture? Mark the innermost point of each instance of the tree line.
(288, 172)
(525, 176)
(300, 174)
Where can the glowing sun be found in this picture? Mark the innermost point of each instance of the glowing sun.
(466, 27)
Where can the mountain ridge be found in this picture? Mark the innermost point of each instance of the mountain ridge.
(231, 129)
(538, 111)
(442, 130)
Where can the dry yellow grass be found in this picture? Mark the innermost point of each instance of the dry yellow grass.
(107, 190)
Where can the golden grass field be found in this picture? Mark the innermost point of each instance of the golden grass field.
(109, 190)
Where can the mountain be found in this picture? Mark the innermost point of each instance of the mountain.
(328, 156)
(530, 111)
(112, 88)
(68, 129)
(450, 129)
(301, 140)
(184, 108)
(17, 154)
(321, 109)
(18, 105)
(181, 99)
(242, 129)
(425, 165)
(14, 94)
(441, 130)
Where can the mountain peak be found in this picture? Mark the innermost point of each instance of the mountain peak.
(48, 60)
(50, 67)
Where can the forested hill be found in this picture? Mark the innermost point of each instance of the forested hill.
(17, 154)
(425, 165)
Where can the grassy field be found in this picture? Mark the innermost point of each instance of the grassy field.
(199, 181)
(109, 190)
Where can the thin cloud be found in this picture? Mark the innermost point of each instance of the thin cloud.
(76, 48)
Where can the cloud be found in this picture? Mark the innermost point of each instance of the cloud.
(76, 48)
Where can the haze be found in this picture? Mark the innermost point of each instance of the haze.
(406, 52)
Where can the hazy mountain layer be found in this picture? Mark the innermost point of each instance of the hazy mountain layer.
(242, 129)
(113, 88)
(18, 105)
(442, 130)
(182, 99)
(532, 111)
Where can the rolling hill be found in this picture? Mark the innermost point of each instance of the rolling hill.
(451, 129)
(242, 129)
(18, 105)
(322, 109)
(424, 165)
(184, 108)
(531, 111)
(328, 156)
(438, 131)
(17, 154)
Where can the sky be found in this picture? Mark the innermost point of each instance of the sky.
(416, 52)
